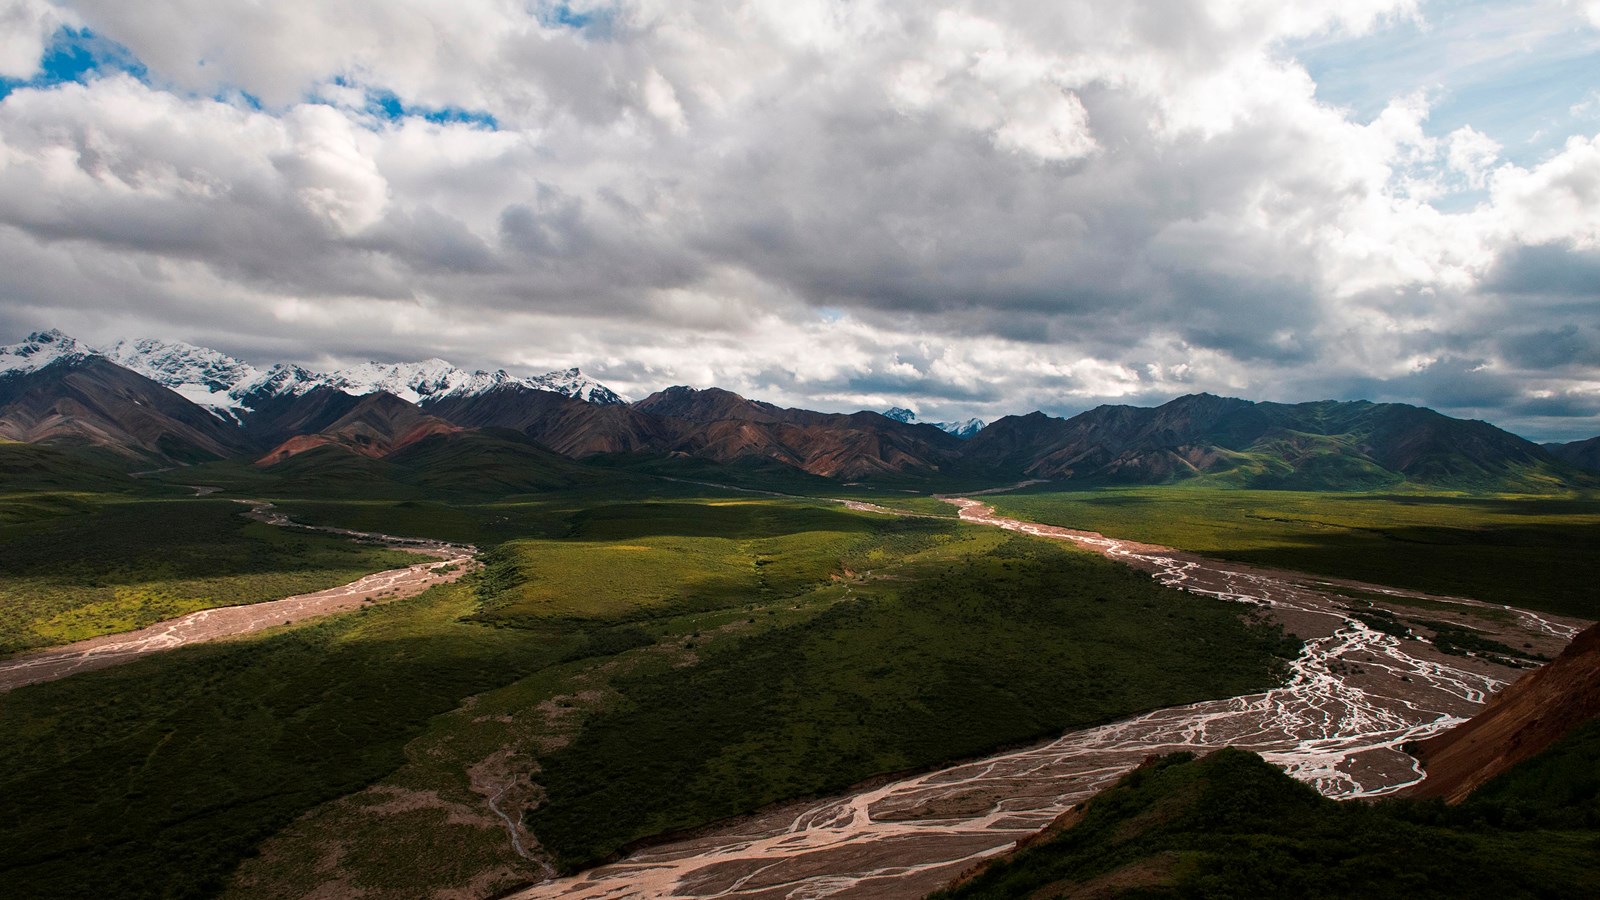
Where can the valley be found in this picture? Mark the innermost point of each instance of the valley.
(799, 450)
(702, 645)
(232, 621)
(1354, 697)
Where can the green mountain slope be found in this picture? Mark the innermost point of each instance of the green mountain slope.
(1325, 445)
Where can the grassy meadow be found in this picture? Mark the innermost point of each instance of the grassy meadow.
(77, 566)
(1527, 551)
(968, 641)
(755, 649)
(638, 655)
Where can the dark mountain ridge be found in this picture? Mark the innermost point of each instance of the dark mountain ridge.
(711, 424)
(1319, 444)
(87, 399)
(1584, 454)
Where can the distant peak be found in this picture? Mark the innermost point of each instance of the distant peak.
(44, 348)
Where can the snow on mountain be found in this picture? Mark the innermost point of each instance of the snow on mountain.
(200, 375)
(224, 385)
(961, 430)
(411, 382)
(42, 348)
(279, 381)
(575, 384)
(418, 382)
(435, 379)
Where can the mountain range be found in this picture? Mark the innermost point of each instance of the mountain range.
(163, 403)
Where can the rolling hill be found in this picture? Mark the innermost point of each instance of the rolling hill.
(711, 424)
(1583, 454)
(1319, 445)
(378, 425)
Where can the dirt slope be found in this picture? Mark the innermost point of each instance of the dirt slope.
(1519, 723)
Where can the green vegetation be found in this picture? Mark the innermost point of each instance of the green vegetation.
(974, 640)
(627, 560)
(1530, 552)
(1232, 825)
(36, 467)
(77, 566)
(1381, 620)
(167, 771)
(475, 467)
(748, 652)
(1459, 641)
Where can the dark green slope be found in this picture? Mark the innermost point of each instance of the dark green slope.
(40, 467)
(492, 462)
(1233, 825)
(477, 464)
(1583, 454)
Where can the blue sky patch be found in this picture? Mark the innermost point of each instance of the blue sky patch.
(77, 55)
(388, 106)
(1513, 70)
(594, 22)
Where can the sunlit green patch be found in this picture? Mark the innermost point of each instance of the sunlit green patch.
(1525, 551)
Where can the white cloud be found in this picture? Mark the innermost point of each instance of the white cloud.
(1558, 200)
(1472, 154)
(997, 205)
(25, 30)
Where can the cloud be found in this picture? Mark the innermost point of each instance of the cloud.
(25, 30)
(982, 207)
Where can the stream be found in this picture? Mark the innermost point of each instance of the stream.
(1353, 698)
(447, 563)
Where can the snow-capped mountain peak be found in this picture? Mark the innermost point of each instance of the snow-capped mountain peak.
(227, 386)
(574, 383)
(961, 430)
(280, 380)
(199, 374)
(41, 349)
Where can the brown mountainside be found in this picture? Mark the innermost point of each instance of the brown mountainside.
(570, 427)
(273, 419)
(377, 426)
(1519, 723)
(97, 402)
(710, 424)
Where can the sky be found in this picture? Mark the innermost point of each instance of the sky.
(968, 209)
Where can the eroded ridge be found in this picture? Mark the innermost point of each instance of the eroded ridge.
(1353, 697)
(449, 562)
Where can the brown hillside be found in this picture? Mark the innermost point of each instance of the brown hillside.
(100, 403)
(1519, 723)
(378, 425)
